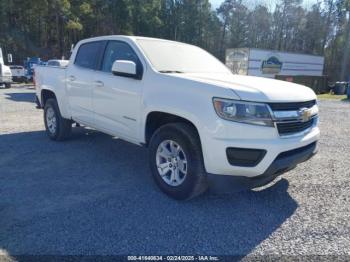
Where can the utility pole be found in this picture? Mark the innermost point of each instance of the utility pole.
(177, 28)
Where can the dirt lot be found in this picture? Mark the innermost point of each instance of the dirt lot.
(94, 195)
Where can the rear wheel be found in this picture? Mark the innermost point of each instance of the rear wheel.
(57, 127)
(8, 85)
(176, 161)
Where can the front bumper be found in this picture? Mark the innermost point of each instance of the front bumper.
(224, 134)
(284, 162)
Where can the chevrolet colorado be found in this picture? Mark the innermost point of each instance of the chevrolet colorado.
(202, 124)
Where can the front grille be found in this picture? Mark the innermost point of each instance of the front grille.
(291, 106)
(294, 127)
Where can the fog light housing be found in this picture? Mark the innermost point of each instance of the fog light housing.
(245, 157)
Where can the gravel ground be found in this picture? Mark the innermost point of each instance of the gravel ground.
(94, 195)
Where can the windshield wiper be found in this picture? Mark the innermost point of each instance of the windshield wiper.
(170, 72)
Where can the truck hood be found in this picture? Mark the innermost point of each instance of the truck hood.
(256, 89)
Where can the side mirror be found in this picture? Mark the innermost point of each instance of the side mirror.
(124, 68)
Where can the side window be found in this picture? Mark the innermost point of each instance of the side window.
(88, 54)
(117, 51)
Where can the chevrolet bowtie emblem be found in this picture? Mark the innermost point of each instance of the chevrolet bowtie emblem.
(305, 114)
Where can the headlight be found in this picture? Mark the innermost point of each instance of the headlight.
(243, 112)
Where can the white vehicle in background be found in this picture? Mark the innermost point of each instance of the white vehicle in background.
(202, 124)
(18, 73)
(57, 63)
(5, 73)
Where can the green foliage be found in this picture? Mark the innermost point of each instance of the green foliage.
(74, 25)
(47, 28)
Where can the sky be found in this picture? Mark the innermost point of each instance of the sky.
(216, 3)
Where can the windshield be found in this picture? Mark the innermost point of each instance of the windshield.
(175, 57)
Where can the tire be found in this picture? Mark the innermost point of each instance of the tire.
(62, 128)
(185, 140)
(8, 86)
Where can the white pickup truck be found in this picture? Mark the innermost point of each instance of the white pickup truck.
(202, 124)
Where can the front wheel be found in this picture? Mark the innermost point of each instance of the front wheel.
(57, 127)
(8, 85)
(176, 161)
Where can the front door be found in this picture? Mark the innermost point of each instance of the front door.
(117, 99)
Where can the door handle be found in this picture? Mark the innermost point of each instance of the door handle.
(71, 78)
(99, 83)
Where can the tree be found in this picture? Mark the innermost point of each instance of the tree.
(235, 24)
(345, 71)
(48, 28)
(314, 26)
(259, 27)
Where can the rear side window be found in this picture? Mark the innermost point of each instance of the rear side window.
(88, 55)
(116, 50)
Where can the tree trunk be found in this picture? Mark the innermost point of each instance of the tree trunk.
(345, 62)
(222, 43)
(331, 4)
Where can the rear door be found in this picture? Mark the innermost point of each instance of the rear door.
(80, 81)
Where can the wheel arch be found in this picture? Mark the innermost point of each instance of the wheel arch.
(156, 119)
(45, 95)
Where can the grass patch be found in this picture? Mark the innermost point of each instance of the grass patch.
(333, 97)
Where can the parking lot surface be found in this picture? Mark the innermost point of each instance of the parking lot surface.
(94, 195)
